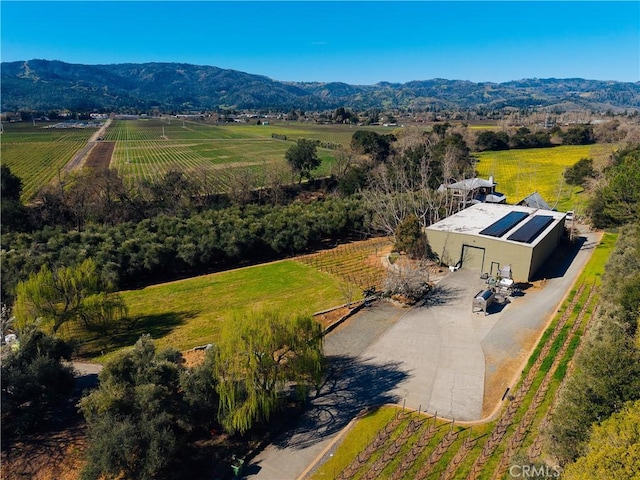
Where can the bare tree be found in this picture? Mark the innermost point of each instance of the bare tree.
(409, 280)
(345, 158)
(408, 183)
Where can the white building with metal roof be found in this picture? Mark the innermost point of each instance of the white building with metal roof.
(486, 236)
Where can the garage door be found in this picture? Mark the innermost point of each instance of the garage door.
(472, 258)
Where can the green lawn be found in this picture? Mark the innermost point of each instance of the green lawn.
(187, 313)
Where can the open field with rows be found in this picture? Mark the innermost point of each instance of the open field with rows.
(358, 263)
(522, 172)
(391, 443)
(146, 149)
(36, 154)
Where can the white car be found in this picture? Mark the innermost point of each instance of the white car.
(569, 216)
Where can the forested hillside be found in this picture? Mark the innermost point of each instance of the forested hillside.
(43, 85)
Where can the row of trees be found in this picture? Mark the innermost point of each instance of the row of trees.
(524, 137)
(165, 247)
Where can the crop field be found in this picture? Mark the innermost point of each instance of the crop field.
(146, 149)
(358, 263)
(391, 443)
(522, 172)
(37, 154)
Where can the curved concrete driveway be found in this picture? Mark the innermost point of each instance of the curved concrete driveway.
(439, 346)
(435, 357)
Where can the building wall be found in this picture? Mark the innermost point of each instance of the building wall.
(500, 252)
(545, 248)
(525, 260)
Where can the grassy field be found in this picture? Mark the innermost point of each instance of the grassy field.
(36, 154)
(381, 446)
(521, 172)
(187, 313)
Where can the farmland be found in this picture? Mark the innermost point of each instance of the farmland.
(36, 154)
(223, 155)
(522, 172)
(356, 264)
(147, 148)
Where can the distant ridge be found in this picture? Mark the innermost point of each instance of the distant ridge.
(46, 85)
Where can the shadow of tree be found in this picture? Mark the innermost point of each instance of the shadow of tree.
(441, 295)
(351, 385)
(156, 325)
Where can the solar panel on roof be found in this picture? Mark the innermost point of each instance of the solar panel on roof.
(506, 223)
(532, 229)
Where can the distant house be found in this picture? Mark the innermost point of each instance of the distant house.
(535, 201)
(474, 190)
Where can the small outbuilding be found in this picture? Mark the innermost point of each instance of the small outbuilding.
(535, 200)
(486, 237)
(474, 190)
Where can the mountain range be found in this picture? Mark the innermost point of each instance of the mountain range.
(52, 85)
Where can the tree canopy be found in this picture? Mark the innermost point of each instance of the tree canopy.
(613, 450)
(34, 378)
(410, 238)
(579, 172)
(490, 140)
(12, 211)
(67, 293)
(373, 144)
(303, 157)
(138, 419)
(617, 202)
(257, 357)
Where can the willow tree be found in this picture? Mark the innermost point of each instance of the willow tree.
(67, 293)
(259, 355)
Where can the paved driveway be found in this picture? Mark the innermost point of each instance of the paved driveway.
(435, 357)
(438, 346)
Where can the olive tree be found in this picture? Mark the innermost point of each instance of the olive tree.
(34, 378)
(137, 421)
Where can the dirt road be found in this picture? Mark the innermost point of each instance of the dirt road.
(79, 157)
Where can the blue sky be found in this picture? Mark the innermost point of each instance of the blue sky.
(355, 42)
